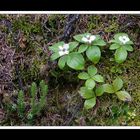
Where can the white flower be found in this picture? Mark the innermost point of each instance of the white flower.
(124, 39)
(66, 46)
(89, 38)
(64, 49)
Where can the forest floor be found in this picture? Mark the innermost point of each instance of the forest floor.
(25, 58)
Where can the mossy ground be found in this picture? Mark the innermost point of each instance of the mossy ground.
(64, 105)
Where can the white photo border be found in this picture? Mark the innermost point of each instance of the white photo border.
(70, 12)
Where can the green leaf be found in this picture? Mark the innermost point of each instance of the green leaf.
(99, 91)
(62, 61)
(55, 47)
(82, 48)
(117, 84)
(98, 37)
(83, 75)
(114, 46)
(90, 103)
(120, 55)
(108, 88)
(113, 41)
(54, 56)
(99, 42)
(98, 78)
(73, 45)
(90, 83)
(124, 96)
(93, 53)
(86, 93)
(130, 43)
(92, 70)
(128, 48)
(80, 36)
(76, 61)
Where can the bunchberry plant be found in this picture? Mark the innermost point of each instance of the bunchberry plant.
(122, 44)
(91, 77)
(91, 45)
(88, 47)
(90, 95)
(66, 55)
(116, 87)
(87, 91)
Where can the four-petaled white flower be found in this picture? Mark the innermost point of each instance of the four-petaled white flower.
(124, 39)
(64, 49)
(89, 38)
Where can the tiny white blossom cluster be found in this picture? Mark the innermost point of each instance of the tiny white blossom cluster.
(124, 39)
(64, 49)
(89, 38)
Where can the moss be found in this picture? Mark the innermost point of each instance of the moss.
(93, 22)
(113, 27)
(102, 23)
(34, 65)
(63, 96)
(27, 25)
(53, 26)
